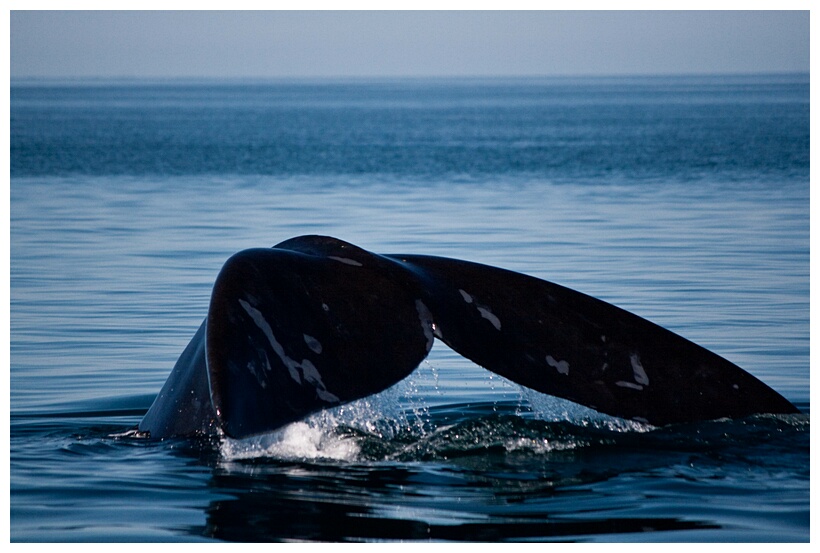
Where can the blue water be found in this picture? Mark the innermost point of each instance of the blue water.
(682, 199)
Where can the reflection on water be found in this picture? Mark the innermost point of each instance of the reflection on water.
(274, 510)
(524, 478)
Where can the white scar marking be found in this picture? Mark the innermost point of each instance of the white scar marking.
(483, 311)
(345, 260)
(487, 314)
(259, 377)
(313, 376)
(263, 325)
(624, 384)
(637, 370)
(560, 366)
(324, 395)
(309, 371)
(427, 324)
(313, 344)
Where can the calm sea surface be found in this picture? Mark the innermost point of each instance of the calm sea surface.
(684, 200)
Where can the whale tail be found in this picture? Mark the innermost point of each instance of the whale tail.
(564, 343)
(316, 322)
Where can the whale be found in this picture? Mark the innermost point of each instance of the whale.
(315, 322)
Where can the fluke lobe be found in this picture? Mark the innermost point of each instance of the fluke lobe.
(315, 322)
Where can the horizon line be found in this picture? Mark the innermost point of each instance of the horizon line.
(296, 78)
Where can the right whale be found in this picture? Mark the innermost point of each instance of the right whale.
(315, 322)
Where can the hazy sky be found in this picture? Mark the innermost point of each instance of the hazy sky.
(299, 44)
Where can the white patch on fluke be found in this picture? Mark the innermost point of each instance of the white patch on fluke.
(625, 384)
(560, 366)
(637, 370)
(313, 376)
(308, 370)
(259, 377)
(324, 395)
(260, 321)
(345, 260)
(487, 314)
(427, 324)
(314, 344)
(482, 310)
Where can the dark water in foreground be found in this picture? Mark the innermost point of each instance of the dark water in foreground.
(684, 200)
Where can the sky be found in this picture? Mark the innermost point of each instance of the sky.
(185, 44)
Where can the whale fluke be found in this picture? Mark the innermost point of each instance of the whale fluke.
(290, 333)
(315, 322)
(567, 344)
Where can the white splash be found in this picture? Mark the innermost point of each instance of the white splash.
(298, 440)
(382, 415)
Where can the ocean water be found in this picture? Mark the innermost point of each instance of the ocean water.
(682, 199)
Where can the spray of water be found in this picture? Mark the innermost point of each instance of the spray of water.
(390, 417)
(335, 434)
